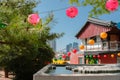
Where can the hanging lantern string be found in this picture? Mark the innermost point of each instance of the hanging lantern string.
(55, 10)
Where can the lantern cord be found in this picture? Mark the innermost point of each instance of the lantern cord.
(55, 10)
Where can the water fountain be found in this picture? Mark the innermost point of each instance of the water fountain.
(79, 72)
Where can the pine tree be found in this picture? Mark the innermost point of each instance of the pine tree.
(24, 49)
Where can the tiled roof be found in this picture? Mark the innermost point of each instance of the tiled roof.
(98, 22)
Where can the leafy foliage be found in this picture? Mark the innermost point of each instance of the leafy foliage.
(98, 6)
(24, 49)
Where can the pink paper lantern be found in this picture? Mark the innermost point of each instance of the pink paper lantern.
(105, 56)
(68, 53)
(98, 56)
(74, 50)
(112, 5)
(33, 19)
(94, 56)
(72, 12)
(64, 56)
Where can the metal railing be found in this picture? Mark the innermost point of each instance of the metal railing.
(103, 46)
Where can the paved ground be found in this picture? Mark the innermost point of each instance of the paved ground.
(2, 76)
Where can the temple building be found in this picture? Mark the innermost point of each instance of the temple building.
(101, 50)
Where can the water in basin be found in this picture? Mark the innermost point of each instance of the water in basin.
(85, 69)
(60, 70)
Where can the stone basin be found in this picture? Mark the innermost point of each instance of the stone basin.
(45, 73)
(108, 68)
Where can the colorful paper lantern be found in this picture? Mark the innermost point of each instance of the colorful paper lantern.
(55, 59)
(118, 25)
(72, 12)
(68, 53)
(118, 54)
(94, 56)
(112, 55)
(64, 56)
(91, 42)
(74, 50)
(82, 47)
(60, 58)
(112, 5)
(104, 55)
(103, 35)
(33, 19)
(98, 56)
(86, 56)
(90, 56)
(61, 62)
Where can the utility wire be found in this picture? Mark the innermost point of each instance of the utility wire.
(55, 10)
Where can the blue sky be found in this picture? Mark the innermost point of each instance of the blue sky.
(70, 26)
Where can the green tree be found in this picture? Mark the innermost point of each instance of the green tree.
(98, 6)
(24, 49)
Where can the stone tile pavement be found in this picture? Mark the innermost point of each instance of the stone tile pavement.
(2, 76)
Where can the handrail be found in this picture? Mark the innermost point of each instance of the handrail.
(103, 46)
